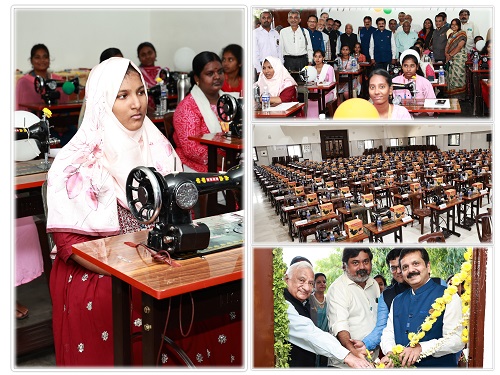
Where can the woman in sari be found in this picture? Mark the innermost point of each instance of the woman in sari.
(325, 73)
(456, 56)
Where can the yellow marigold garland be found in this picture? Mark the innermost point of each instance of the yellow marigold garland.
(438, 307)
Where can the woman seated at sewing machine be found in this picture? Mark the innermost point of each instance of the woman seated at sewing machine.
(279, 83)
(410, 63)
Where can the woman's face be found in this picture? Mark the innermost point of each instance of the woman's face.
(211, 78)
(40, 60)
(345, 51)
(427, 24)
(267, 70)
(488, 49)
(147, 56)
(230, 63)
(409, 68)
(357, 48)
(131, 104)
(379, 90)
(454, 26)
(318, 58)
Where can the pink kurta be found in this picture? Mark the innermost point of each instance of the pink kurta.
(29, 262)
(25, 92)
(188, 121)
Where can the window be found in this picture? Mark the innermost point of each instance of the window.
(430, 140)
(369, 144)
(394, 142)
(254, 154)
(454, 139)
(294, 150)
(412, 141)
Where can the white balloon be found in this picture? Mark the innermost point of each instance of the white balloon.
(480, 45)
(312, 73)
(24, 119)
(183, 59)
(25, 149)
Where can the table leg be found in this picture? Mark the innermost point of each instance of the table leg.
(349, 85)
(153, 314)
(121, 322)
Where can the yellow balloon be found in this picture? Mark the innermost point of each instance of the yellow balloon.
(377, 9)
(356, 108)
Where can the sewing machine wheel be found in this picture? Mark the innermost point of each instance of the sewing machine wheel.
(143, 194)
(227, 107)
(39, 84)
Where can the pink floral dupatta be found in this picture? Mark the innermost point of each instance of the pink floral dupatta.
(88, 175)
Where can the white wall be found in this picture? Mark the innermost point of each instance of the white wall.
(76, 37)
(272, 138)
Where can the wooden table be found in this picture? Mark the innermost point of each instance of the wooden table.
(215, 278)
(395, 227)
(233, 146)
(465, 211)
(437, 211)
(280, 114)
(417, 106)
(301, 225)
(358, 238)
(322, 89)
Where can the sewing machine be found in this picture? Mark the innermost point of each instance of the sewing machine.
(410, 86)
(167, 201)
(32, 137)
(47, 88)
(230, 110)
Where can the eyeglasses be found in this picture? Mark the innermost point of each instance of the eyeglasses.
(394, 268)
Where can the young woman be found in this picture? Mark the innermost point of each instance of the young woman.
(426, 32)
(380, 90)
(344, 62)
(86, 201)
(146, 53)
(278, 81)
(325, 73)
(232, 62)
(410, 62)
(319, 309)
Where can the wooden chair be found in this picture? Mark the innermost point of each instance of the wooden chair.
(418, 210)
(168, 126)
(432, 237)
(484, 226)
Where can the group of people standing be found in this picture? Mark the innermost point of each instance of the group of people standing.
(322, 44)
(353, 317)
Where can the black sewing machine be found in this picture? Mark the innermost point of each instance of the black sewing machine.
(40, 133)
(168, 200)
(384, 213)
(410, 86)
(230, 110)
(48, 88)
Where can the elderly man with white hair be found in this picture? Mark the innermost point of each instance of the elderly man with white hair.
(305, 338)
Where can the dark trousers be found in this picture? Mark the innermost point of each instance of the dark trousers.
(295, 63)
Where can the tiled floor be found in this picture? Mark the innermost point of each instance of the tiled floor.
(267, 228)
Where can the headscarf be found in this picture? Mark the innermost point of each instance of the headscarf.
(279, 81)
(88, 176)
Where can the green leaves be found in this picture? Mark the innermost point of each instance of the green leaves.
(281, 345)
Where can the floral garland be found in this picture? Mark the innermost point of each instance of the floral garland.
(439, 305)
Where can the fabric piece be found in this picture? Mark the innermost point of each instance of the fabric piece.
(28, 253)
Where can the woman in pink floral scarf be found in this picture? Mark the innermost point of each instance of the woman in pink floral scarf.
(86, 200)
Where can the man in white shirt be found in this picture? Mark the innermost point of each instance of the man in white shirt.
(296, 46)
(306, 339)
(469, 27)
(412, 308)
(266, 41)
(353, 300)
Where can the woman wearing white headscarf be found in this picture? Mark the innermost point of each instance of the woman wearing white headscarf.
(280, 84)
(86, 200)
